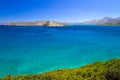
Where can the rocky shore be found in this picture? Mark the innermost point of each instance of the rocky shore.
(37, 23)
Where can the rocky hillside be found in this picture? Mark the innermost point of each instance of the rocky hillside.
(113, 23)
(109, 70)
(105, 21)
(38, 23)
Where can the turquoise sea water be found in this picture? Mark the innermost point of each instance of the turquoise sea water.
(31, 50)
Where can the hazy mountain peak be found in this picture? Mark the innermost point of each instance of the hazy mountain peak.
(107, 18)
(103, 21)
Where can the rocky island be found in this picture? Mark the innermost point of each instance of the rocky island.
(37, 23)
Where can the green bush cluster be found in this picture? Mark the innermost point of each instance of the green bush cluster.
(109, 70)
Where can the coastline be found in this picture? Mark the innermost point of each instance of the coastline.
(97, 70)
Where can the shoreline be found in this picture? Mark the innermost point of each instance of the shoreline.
(58, 74)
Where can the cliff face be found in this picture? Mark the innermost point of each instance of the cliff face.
(38, 23)
(53, 23)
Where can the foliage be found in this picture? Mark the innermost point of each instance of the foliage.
(109, 70)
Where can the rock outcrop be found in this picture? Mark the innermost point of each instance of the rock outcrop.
(37, 23)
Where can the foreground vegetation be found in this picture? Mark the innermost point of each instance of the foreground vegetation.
(109, 70)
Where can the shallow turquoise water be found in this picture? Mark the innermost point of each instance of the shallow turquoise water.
(31, 50)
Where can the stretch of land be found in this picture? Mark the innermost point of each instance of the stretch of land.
(104, 21)
(36, 23)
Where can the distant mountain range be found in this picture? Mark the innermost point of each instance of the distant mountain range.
(105, 21)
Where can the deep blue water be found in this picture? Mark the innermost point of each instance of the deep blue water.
(31, 50)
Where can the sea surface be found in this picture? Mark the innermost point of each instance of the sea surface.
(33, 50)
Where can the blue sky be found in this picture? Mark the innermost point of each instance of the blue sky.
(58, 10)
